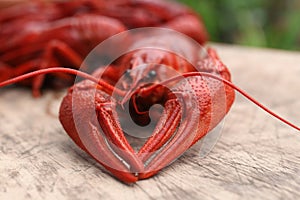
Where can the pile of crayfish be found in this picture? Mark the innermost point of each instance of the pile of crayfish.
(46, 43)
(37, 34)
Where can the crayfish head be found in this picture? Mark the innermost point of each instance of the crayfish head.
(140, 76)
(137, 78)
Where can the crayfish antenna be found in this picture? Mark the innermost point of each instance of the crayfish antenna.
(108, 87)
(101, 84)
(47, 71)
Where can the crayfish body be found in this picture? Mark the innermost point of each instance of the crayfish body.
(192, 106)
(193, 92)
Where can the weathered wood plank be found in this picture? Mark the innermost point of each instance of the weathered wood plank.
(256, 157)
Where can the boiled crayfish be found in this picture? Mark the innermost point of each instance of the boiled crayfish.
(193, 104)
(39, 35)
(194, 91)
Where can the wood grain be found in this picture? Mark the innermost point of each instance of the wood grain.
(257, 157)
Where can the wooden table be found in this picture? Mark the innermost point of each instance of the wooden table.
(257, 157)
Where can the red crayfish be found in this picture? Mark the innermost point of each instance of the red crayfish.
(195, 99)
(194, 89)
(67, 31)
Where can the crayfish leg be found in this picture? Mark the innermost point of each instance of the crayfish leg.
(53, 48)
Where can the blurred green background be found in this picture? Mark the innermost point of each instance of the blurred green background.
(262, 23)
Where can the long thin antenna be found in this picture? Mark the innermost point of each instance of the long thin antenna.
(111, 88)
(75, 72)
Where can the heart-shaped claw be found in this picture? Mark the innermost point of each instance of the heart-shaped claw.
(192, 107)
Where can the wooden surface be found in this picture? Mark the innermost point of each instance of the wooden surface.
(256, 157)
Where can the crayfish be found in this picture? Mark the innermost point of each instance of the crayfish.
(195, 93)
(159, 77)
(66, 32)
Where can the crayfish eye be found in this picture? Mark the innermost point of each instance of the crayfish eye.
(152, 74)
